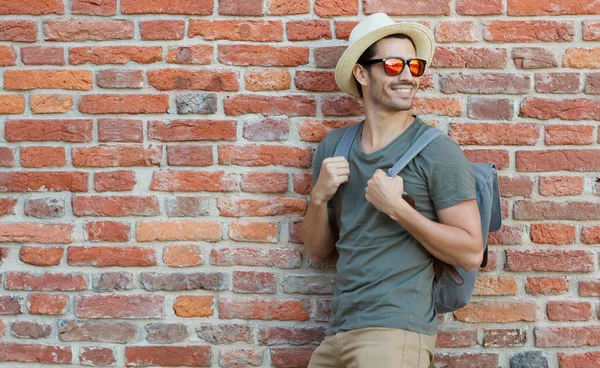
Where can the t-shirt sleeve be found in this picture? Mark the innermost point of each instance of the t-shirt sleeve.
(450, 177)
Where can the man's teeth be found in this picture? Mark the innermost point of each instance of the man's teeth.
(404, 90)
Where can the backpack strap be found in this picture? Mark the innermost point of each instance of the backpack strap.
(422, 142)
(345, 143)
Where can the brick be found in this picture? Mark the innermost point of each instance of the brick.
(550, 7)
(7, 206)
(187, 206)
(264, 155)
(42, 55)
(469, 57)
(47, 304)
(528, 31)
(397, 7)
(121, 180)
(315, 81)
(240, 207)
(507, 235)
(476, 7)
(192, 181)
(119, 306)
(265, 182)
(112, 281)
(109, 256)
(291, 357)
(101, 55)
(485, 83)
(498, 157)
(18, 30)
(162, 29)
(591, 235)
(35, 353)
(556, 234)
(7, 156)
(307, 30)
(569, 134)
(240, 358)
(270, 105)
(154, 281)
(495, 134)
(556, 160)
(515, 186)
(8, 57)
(254, 282)
(192, 130)
(87, 7)
(113, 156)
(204, 80)
(259, 55)
(302, 183)
(194, 306)
(166, 333)
(44, 233)
(182, 256)
(260, 128)
(495, 285)
(124, 104)
(51, 103)
(309, 284)
(75, 130)
(109, 231)
(77, 30)
(115, 206)
(561, 185)
(549, 260)
(343, 28)
(490, 109)
(592, 84)
(80, 80)
(280, 335)
(557, 82)
(344, 106)
(267, 79)
(191, 356)
(327, 57)
(47, 181)
(30, 330)
(183, 7)
(436, 106)
(264, 309)
(591, 30)
(568, 311)
(34, 7)
(48, 281)
(237, 30)
(575, 360)
(258, 232)
(257, 257)
(225, 333)
(196, 103)
(190, 156)
(10, 304)
(185, 230)
(41, 256)
(115, 78)
(581, 58)
(456, 339)
(534, 58)
(567, 336)
(284, 7)
(12, 104)
(497, 312)
(323, 310)
(196, 54)
(233, 7)
(456, 31)
(43, 156)
(504, 338)
(96, 356)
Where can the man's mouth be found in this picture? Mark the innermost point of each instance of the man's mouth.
(402, 90)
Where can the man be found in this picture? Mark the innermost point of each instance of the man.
(382, 312)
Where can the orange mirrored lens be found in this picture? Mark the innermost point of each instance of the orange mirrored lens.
(393, 66)
(417, 67)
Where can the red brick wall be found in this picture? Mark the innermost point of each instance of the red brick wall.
(156, 160)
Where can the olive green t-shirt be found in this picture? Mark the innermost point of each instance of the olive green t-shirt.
(384, 276)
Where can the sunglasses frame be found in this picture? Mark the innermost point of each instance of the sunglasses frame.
(405, 63)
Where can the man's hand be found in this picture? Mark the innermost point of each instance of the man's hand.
(384, 192)
(334, 172)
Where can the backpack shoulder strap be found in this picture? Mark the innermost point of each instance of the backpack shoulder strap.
(421, 142)
(345, 143)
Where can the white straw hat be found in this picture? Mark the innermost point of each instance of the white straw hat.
(370, 30)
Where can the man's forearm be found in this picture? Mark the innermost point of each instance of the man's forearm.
(316, 233)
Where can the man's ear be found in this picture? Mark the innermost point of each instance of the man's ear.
(360, 73)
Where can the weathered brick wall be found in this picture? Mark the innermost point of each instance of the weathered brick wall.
(156, 160)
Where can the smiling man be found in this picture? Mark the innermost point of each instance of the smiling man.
(382, 312)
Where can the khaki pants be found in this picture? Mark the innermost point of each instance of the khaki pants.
(375, 347)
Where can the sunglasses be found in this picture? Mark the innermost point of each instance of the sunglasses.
(395, 65)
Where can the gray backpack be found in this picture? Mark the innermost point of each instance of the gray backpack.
(453, 285)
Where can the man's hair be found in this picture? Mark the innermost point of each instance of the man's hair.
(370, 52)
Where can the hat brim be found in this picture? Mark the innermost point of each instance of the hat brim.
(420, 35)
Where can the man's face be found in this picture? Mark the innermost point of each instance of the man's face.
(388, 92)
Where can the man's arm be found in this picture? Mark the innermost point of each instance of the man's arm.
(456, 239)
